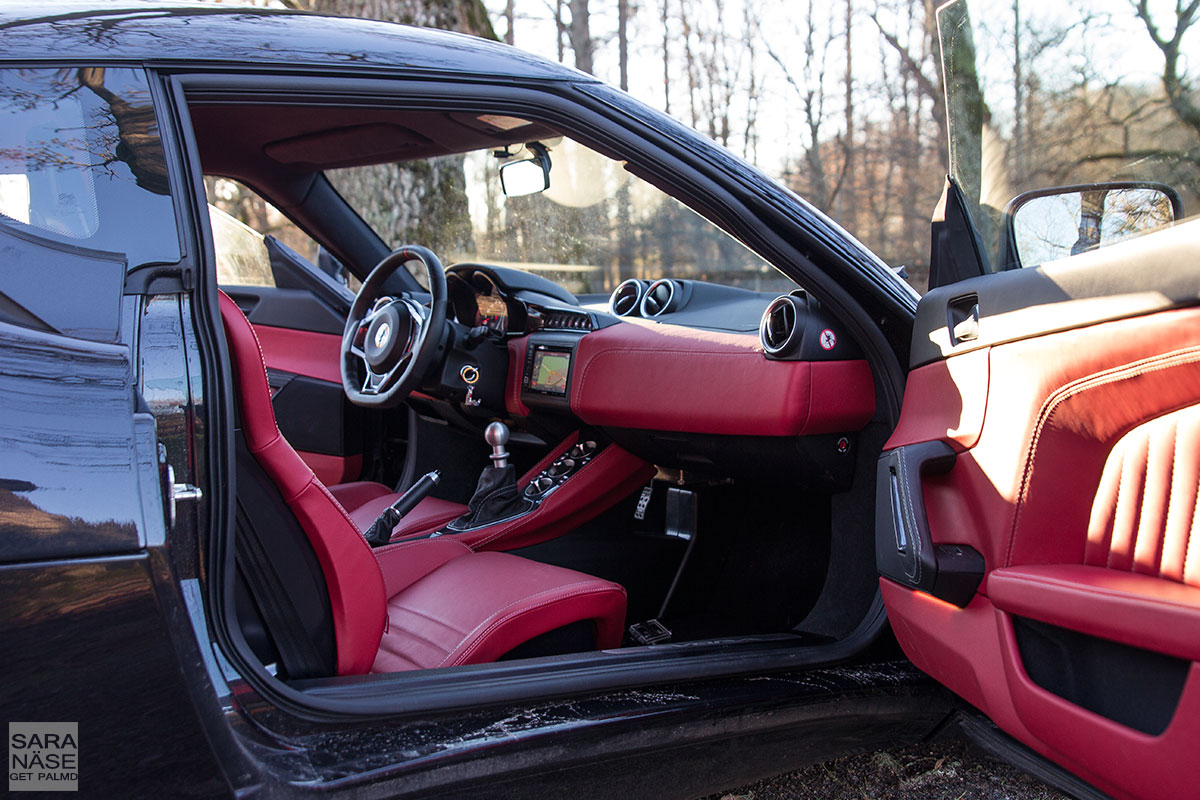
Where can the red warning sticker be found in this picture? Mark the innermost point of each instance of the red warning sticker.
(828, 339)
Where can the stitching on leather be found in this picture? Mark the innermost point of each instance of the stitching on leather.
(546, 504)
(1080, 385)
(1140, 504)
(1073, 587)
(655, 350)
(388, 548)
(1167, 518)
(497, 621)
(1116, 509)
(431, 618)
(1187, 547)
(914, 536)
(517, 358)
(1164, 523)
(413, 634)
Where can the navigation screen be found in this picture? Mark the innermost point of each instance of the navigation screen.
(550, 368)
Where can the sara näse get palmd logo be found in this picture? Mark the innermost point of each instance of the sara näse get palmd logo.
(43, 756)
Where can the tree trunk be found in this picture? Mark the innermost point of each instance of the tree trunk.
(581, 35)
(424, 202)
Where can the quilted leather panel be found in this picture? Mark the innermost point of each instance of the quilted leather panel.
(1144, 515)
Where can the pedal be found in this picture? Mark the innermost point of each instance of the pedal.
(639, 513)
(649, 632)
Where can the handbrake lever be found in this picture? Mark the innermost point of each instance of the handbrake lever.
(380, 532)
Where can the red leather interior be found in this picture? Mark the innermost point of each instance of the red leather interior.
(366, 500)
(639, 374)
(472, 607)
(1077, 482)
(600, 483)
(944, 400)
(354, 583)
(332, 469)
(511, 600)
(1144, 514)
(1126, 607)
(516, 373)
(314, 355)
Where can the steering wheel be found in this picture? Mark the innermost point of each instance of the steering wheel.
(392, 339)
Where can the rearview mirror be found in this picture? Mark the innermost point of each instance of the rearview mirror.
(1049, 224)
(527, 176)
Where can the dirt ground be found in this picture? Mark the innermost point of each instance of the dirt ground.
(949, 770)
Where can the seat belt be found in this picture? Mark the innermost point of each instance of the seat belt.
(296, 648)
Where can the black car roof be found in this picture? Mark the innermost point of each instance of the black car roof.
(158, 32)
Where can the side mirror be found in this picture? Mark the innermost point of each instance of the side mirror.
(1049, 224)
(527, 176)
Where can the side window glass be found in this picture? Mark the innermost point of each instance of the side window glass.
(84, 195)
(254, 241)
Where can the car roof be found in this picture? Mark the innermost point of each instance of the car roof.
(245, 37)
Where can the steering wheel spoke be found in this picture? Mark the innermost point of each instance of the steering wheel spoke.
(394, 339)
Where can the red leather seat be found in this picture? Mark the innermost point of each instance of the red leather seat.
(415, 604)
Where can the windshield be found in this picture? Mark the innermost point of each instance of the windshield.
(1057, 94)
(596, 226)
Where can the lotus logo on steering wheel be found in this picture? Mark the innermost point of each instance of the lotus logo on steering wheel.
(381, 335)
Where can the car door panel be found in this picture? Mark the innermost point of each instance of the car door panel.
(1076, 482)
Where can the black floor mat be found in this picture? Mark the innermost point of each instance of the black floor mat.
(758, 564)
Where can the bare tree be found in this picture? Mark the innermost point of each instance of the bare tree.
(823, 176)
(424, 201)
(580, 33)
(1180, 93)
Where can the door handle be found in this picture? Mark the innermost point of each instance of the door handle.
(904, 546)
(177, 492)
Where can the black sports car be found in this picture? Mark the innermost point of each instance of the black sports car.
(588, 488)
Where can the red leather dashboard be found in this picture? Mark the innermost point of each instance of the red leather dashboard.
(647, 375)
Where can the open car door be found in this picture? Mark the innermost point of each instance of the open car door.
(1036, 526)
(1036, 518)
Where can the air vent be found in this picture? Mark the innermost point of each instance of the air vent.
(659, 298)
(566, 321)
(626, 299)
(778, 329)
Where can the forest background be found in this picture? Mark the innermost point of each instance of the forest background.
(840, 100)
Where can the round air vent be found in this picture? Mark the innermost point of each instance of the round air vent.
(778, 330)
(626, 300)
(659, 298)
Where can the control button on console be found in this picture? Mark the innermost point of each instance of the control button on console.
(583, 449)
(561, 467)
(539, 485)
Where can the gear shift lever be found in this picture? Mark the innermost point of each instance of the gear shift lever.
(496, 495)
(496, 435)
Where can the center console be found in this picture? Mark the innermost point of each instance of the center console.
(563, 467)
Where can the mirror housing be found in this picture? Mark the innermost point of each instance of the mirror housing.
(1062, 221)
(528, 175)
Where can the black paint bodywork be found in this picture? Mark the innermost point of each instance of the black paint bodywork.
(103, 611)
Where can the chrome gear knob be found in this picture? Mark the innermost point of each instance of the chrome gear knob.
(496, 435)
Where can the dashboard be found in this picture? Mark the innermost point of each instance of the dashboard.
(509, 302)
(685, 374)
